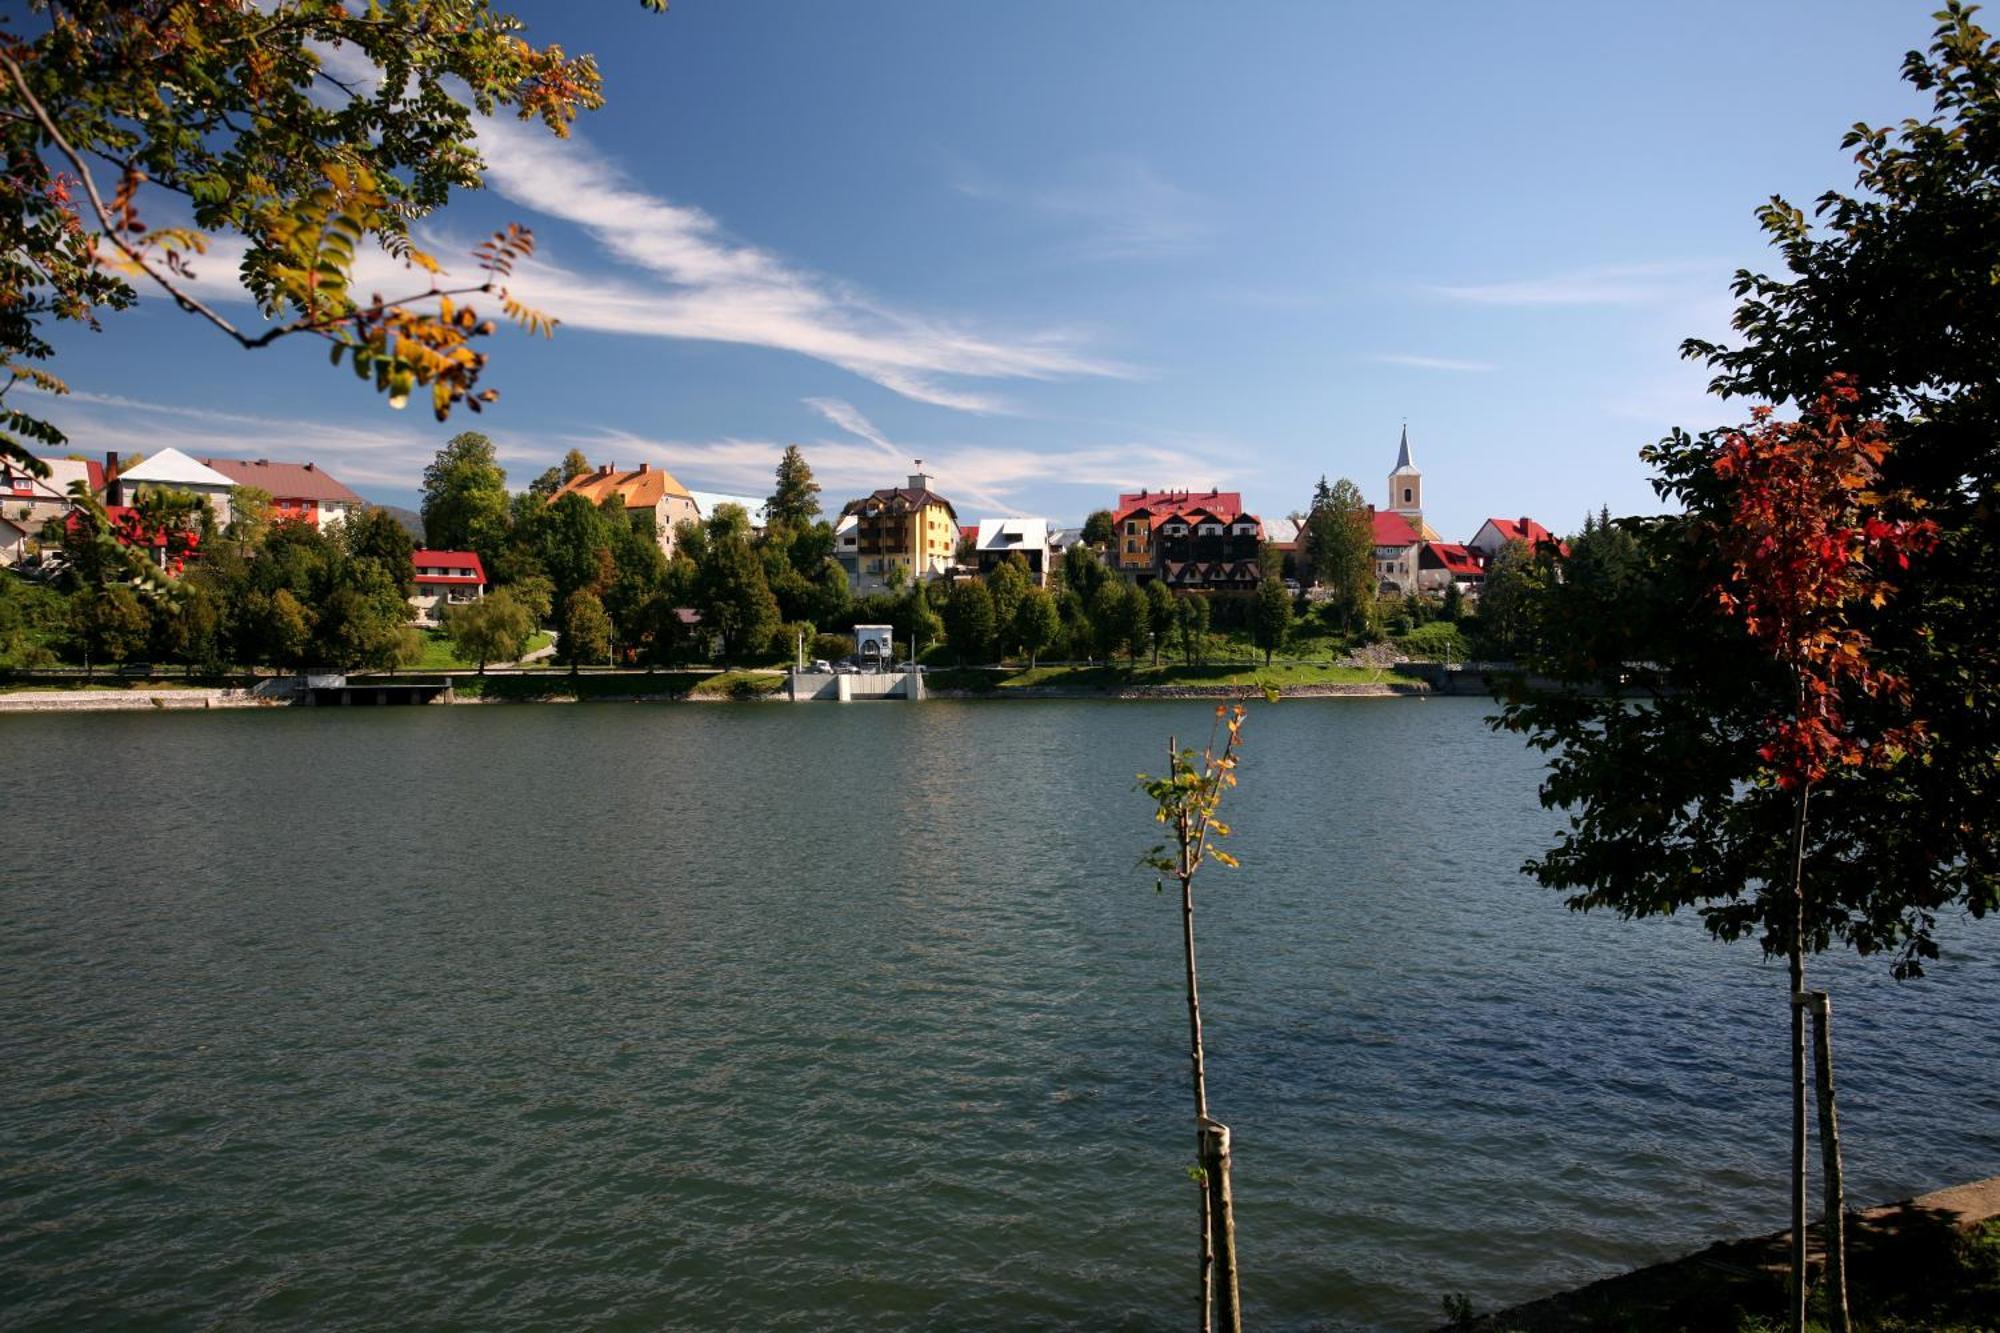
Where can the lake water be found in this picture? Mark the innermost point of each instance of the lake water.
(820, 1017)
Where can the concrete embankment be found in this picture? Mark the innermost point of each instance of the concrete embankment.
(94, 701)
(1888, 1249)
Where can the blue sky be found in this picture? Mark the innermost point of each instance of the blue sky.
(1055, 249)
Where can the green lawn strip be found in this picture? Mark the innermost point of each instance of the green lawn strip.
(1230, 675)
(638, 684)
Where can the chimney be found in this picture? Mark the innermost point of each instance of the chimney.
(1524, 527)
(265, 462)
(309, 467)
(113, 492)
(645, 468)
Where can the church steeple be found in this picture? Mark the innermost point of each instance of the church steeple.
(1406, 485)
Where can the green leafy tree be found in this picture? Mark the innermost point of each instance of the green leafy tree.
(1191, 624)
(1273, 617)
(1111, 621)
(465, 504)
(1452, 607)
(1101, 529)
(1008, 582)
(969, 622)
(110, 623)
(573, 465)
(249, 517)
(795, 502)
(1339, 542)
(1037, 623)
(495, 628)
(586, 630)
(1083, 572)
(373, 535)
(274, 627)
(1511, 602)
(735, 601)
(916, 622)
(833, 600)
(574, 546)
(1161, 616)
(112, 107)
(1672, 805)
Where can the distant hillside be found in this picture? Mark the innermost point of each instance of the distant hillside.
(412, 521)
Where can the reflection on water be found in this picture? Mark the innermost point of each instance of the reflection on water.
(810, 1017)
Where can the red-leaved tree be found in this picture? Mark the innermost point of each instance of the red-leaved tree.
(1809, 532)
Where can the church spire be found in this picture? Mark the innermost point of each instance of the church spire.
(1403, 453)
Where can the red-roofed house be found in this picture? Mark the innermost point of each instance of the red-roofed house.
(26, 503)
(1208, 546)
(300, 492)
(1396, 548)
(1497, 532)
(445, 578)
(1140, 512)
(1441, 564)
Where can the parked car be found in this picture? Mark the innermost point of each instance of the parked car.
(821, 667)
(846, 668)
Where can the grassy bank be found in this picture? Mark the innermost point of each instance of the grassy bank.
(1110, 679)
(561, 686)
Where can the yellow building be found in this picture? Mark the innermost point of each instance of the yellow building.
(908, 527)
(649, 489)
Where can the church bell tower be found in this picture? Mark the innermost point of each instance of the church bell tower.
(1406, 486)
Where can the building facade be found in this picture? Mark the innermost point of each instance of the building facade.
(1397, 547)
(645, 490)
(444, 579)
(1208, 547)
(168, 470)
(997, 538)
(910, 527)
(300, 492)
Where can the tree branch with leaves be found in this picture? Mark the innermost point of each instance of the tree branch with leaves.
(307, 128)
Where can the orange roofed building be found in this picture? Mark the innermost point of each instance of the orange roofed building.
(647, 489)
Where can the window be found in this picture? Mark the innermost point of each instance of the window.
(1406, 494)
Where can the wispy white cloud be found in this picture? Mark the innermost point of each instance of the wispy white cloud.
(679, 275)
(848, 418)
(363, 457)
(1620, 284)
(1113, 206)
(709, 286)
(1431, 362)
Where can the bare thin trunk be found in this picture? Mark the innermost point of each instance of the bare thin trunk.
(1796, 958)
(1197, 1068)
(1834, 1176)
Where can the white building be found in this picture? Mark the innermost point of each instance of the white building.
(172, 470)
(1000, 537)
(707, 502)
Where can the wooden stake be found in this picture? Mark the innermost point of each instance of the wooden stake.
(1222, 1219)
(1834, 1175)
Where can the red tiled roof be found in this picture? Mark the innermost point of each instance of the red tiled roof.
(1457, 559)
(464, 566)
(1525, 529)
(1392, 529)
(284, 481)
(1159, 504)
